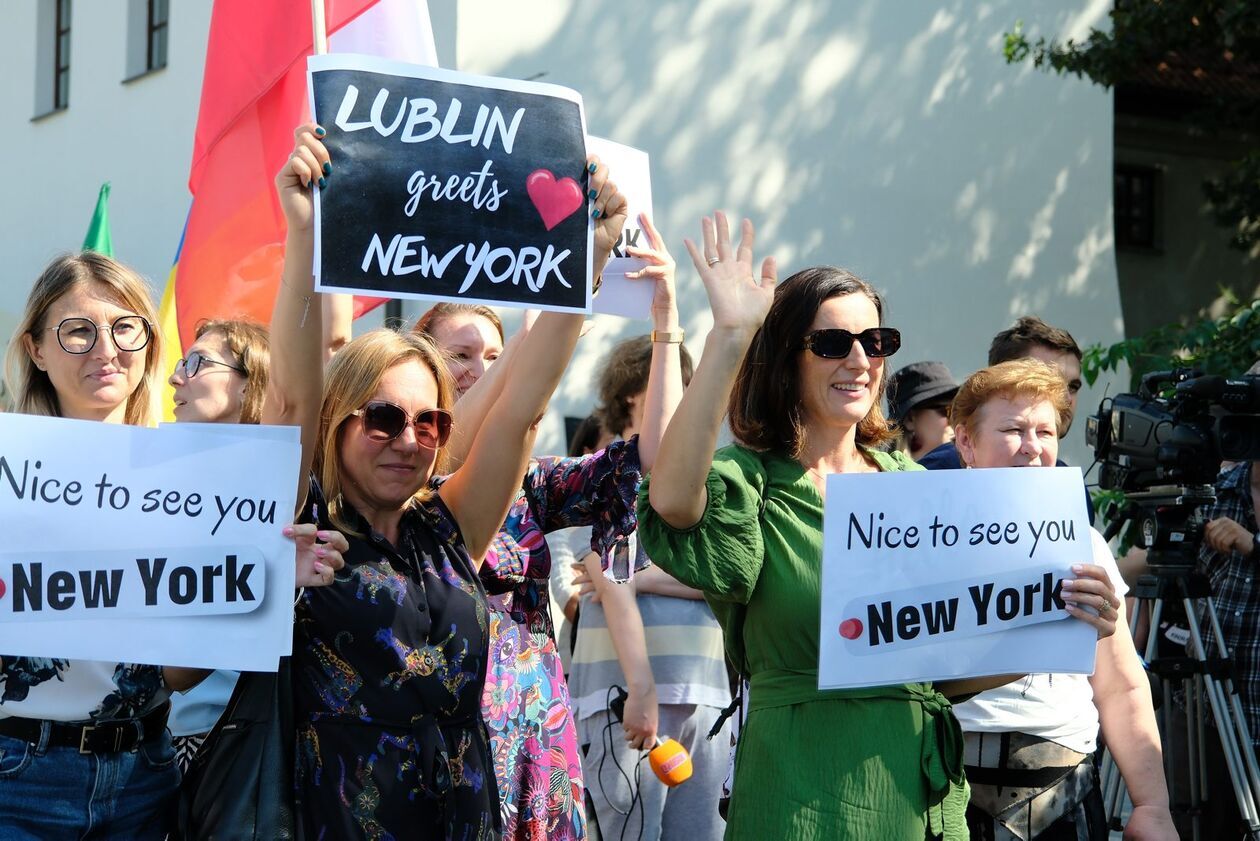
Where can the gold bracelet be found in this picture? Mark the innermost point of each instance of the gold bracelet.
(670, 337)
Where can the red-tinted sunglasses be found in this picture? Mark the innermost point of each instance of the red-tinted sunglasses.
(383, 421)
(835, 343)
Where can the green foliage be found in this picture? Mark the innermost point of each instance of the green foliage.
(1228, 345)
(1216, 39)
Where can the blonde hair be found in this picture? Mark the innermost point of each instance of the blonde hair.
(250, 343)
(352, 378)
(1017, 378)
(32, 390)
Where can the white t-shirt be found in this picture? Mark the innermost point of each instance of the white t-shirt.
(1059, 708)
(567, 547)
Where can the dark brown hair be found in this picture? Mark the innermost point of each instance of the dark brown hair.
(585, 437)
(1029, 330)
(765, 406)
(250, 343)
(625, 374)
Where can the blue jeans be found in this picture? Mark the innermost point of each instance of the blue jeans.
(51, 793)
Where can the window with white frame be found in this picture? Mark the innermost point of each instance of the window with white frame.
(52, 56)
(148, 35)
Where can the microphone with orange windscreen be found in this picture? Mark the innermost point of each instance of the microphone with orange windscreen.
(669, 759)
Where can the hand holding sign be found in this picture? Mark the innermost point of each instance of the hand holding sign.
(1095, 590)
(608, 211)
(319, 554)
(308, 164)
(660, 269)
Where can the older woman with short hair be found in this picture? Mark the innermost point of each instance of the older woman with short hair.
(1029, 744)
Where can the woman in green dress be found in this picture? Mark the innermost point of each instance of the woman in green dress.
(745, 526)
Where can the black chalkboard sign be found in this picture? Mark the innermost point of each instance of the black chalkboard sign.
(450, 186)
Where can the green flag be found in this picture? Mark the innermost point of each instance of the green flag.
(98, 238)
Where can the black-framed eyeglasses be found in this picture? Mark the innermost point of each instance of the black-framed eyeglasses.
(78, 335)
(835, 343)
(193, 362)
(384, 421)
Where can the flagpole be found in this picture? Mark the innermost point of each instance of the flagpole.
(338, 309)
(319, 27)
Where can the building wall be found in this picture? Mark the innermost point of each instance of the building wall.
(890, 138)
(137, 135)
(1184, 277)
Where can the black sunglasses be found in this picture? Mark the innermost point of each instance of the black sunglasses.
(835, 343)
(383, 421)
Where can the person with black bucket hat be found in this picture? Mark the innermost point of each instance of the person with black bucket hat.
(919, 395)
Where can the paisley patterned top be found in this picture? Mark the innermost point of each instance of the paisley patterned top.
(526, 700)
(388, 665)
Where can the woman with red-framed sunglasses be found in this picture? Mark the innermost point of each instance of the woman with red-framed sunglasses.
(390, 660)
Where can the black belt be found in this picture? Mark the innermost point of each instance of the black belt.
(106, 737)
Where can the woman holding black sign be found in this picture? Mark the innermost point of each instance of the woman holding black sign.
(84, 748)
(1029, 745)
(802, 365)
(390, 660)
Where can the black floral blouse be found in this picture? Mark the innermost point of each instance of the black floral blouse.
(389, 663)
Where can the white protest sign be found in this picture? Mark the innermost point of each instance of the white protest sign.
(632, 173)
(160, 546)
(950, 574)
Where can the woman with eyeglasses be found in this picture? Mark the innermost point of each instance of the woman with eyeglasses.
(84, 747)
(222, 379)
(799, 368)
(390, 661)
(1029, 745)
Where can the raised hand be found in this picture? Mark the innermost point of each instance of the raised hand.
(738, 297)
(608, 209)
(660, 269)
(307, 166)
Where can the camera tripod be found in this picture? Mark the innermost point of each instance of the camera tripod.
(1203, 677)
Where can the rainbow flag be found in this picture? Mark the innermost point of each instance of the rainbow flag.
(253, 95)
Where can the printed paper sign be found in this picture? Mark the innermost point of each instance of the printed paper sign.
(159, 546)
(450, 186)
(950, 574)
(199, 581)
(631, 172)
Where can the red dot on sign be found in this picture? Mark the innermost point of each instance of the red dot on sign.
(851, 629)
(2, 588)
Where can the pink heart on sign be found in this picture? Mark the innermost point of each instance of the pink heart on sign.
(555, 200)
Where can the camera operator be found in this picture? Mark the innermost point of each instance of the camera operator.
(1230, 556)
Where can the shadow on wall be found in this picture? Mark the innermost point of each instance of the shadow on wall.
(890, 138)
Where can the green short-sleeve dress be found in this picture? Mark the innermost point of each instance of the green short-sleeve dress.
(882, 763)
